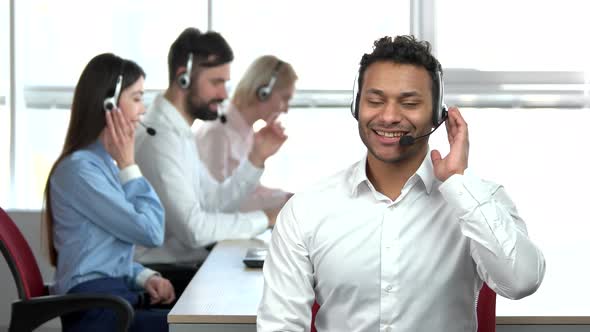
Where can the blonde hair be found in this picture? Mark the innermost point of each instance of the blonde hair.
(258, 74)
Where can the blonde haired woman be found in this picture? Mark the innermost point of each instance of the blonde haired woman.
(262, 94)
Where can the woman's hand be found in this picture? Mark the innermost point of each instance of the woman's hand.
(119, 138)
(160, 290)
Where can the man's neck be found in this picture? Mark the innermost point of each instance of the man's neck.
(390, 178)
(178, 100)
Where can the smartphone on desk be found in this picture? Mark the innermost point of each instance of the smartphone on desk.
(255, 257)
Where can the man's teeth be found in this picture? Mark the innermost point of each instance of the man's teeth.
(388, 134)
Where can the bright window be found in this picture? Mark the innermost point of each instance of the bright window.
(51, 54)
(323, 40)
(495, 40)
(4, 102)
(57, 38)
(506, 35)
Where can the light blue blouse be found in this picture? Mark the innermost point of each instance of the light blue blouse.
(99, 214)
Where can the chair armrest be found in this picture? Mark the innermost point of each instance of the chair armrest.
(30, 314)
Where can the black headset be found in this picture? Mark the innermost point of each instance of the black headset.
(264, 91)
(440, 111)
(184, 79)
(110, 103)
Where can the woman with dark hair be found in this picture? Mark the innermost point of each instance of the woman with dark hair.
(98, 204)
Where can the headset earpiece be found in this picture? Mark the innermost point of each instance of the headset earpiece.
(264, 91)
(110, 103)
(356, 98)
(184, 79)
(440, 111)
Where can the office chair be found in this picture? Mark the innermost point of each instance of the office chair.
(486, 310)
(35, 306)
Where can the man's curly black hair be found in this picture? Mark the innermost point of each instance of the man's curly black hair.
(404, 49)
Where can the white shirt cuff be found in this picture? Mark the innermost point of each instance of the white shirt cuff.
(144, 275)
(250, 171)
(129, 173)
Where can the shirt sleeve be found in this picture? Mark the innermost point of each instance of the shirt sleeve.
(229, 180)
(195, 215)
(129, 211)
(506, 259)
(288, 279)
(140, 276)
(228, 195)
(265, 198)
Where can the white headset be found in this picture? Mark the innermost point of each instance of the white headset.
(184, 79)
(110, 103)
(264, 91)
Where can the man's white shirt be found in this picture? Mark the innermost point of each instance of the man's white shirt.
(199, 210)
(413, 264)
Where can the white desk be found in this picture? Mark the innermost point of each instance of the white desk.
(224, 296)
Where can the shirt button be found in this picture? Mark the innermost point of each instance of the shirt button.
(388, 288)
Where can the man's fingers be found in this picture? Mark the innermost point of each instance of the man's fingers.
(435, 156)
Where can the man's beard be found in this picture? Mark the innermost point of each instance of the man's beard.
(202, 110)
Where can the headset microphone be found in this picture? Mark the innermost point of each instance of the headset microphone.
(151, 131)
(408, 140)
(222, 118)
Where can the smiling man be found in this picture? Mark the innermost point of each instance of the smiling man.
(404, 239)
(199, 209)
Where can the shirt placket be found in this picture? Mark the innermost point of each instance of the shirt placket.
(390, 255)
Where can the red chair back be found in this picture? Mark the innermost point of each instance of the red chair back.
(20, 259)
(486, 310)
(314, 311)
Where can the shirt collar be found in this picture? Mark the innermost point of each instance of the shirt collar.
(168, 111)
(100, 150)
(359, 174)
(426, 172)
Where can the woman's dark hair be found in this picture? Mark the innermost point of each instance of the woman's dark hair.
(87, 118)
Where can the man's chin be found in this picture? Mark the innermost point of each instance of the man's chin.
(204, 114)
(208, 116)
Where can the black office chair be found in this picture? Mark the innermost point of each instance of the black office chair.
(35, 306)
